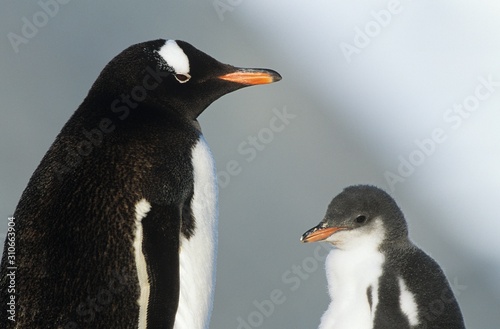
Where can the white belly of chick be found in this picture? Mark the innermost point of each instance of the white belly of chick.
(352, 276)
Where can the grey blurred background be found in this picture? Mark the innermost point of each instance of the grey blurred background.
(408, 90)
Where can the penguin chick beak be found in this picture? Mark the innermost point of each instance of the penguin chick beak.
(319, 233)
(252, 76)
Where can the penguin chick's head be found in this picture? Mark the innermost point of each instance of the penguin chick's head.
(172, 74)
(358, 213)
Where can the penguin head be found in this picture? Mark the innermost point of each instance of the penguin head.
(359, 214)
(173, 74)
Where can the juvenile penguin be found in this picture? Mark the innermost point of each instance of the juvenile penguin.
(117, 227)
(377, 278)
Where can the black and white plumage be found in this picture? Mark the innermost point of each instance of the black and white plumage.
(377, 278)
(117, 227)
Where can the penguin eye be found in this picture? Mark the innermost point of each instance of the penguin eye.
(360, 219)
(182, 78)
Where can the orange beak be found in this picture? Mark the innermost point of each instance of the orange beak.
(252, 76)
(319, 233)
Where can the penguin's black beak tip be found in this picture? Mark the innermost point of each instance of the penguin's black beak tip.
(275, 75)
(252, 77)
(304, 236)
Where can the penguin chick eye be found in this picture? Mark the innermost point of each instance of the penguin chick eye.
(360, 219)
(182, 78)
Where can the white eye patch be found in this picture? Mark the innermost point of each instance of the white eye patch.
(175, 57)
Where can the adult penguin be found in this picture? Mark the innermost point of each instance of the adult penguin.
(117, 227)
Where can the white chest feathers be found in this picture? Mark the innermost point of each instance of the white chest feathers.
(197, 256)
(353, 281)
